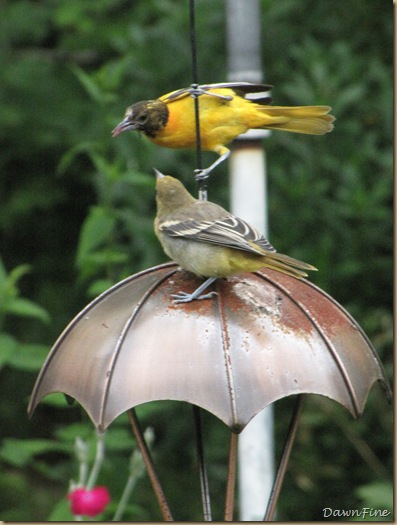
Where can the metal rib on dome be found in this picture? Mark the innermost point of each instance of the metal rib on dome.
(263, 337)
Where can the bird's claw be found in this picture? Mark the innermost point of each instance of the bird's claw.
(184, 297)
(201, 174)
(197, 91)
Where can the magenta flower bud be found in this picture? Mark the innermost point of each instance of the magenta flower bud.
(89, 502)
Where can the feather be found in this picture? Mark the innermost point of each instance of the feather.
(229, 231)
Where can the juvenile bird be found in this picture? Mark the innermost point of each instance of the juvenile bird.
(224, 111)
(207, 240)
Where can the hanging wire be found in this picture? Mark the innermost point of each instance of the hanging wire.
(293, 427)
(203, 194)
(205, 496)
(231, 477)
(144, 449)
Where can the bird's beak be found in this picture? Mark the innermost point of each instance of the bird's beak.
(158, 173)
(125, 125)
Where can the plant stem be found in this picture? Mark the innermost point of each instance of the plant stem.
(99, 457)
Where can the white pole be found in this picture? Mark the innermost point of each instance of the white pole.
(248, 183)
(249, 201)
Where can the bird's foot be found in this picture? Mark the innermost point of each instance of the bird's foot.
(184, 297)
(202, 174)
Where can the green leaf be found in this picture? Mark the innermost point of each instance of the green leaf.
(8, 345)
(68, 158)
(61, 511)
(99, 286)
(96, 231)
(3, 273)
(8, 284)
(29, 357)
(89, 85)
(70, 432)
(19, 271)
(119, 439)
(20, 452)
(26, 308)
(111, 170)
(378, 495)
(56, 399)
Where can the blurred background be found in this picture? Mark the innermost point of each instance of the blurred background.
(76, 213)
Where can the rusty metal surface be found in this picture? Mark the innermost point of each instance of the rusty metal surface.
(263, 337)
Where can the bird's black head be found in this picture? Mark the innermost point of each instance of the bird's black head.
(147, 116)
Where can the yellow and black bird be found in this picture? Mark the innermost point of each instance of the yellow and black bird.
(225, 112)
(207, 240)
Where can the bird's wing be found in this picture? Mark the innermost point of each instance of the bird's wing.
(176, 95)
(241, 89)
(229, 231)
(244, 90)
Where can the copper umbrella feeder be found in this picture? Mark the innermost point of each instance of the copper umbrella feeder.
(264, 336)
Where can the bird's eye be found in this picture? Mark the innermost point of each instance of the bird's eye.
(142, 118)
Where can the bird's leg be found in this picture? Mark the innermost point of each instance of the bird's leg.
(204, 173)
(183, 297)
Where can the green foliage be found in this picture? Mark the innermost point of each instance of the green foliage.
(10, 301)
(76, 216)
(377, 495)
(14, 353)
(20, 452)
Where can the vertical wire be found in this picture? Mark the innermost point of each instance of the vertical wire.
(202, 196)
(201, 182)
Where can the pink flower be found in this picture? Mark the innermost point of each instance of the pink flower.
(89, 502)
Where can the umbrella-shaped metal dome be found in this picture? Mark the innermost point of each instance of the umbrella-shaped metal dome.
(264, 336)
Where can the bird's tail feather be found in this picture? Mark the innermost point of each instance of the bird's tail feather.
(313, 120)
(288, 265)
